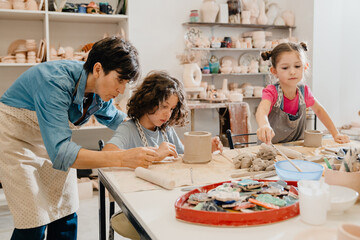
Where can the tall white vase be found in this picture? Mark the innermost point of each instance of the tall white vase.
(192, 75)
(209, 10)
(262, 19)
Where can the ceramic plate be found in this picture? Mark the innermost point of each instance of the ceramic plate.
(246, 59)
(317, 234)
(192, 34)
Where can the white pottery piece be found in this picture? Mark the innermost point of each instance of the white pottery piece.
(31, 5)
(192, 75)
(245, 17)
(262, 19)
(279, 21)
(197, 147)
(272, 13)
(289, 18)
(209, 10)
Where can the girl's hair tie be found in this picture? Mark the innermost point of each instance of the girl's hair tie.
(266, 55)
(304, 46)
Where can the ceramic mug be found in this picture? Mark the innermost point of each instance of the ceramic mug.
(348, 232)
(197, 147)
(314, 201)
(82, 8)
(105, 8)
(312, 138)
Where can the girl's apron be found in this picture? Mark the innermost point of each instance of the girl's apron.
(288, 127)
(37, 194)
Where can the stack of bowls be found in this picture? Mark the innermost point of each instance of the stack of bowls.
(258, 38)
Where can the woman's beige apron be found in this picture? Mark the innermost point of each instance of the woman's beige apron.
(286, 129)
(37, 194)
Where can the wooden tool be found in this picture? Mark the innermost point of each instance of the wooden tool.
(284, 156)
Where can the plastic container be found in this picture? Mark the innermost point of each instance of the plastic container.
(310, 170)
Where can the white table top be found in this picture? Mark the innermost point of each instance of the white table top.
(156, 213)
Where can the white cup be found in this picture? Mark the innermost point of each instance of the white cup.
(314, 201)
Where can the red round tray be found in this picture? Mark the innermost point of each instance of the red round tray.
(231, 218)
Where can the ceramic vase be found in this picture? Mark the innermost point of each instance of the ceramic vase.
(209, 10)
(192, 75)
(197, 147)
(262, 19)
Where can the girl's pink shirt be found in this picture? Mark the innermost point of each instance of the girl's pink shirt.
(290, 106)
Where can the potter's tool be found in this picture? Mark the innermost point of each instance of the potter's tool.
(191, 176)
(227, 158)
(327, 163)
(284, 156)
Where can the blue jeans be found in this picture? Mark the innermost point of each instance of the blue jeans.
(62, 229)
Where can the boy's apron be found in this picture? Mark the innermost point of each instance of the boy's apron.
(288, 127)
(37, 194)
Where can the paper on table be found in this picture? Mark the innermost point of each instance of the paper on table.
(156, 178)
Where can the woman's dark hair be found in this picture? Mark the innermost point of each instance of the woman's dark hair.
(285, 47)
(156, 88)
(116, 54)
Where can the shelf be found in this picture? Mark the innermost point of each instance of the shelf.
(235, 74)
(235, 25)
(231, 49)
(86, 18)
(21, 14)
(17, 64)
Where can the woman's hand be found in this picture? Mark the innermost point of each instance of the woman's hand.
(265, 134)
(341, 138)
(216, 144)
(166, 150)
(138, 157)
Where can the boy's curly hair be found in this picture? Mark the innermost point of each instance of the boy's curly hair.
(157, 87)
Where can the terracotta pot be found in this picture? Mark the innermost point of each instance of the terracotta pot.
(197, 147)
(340, 178)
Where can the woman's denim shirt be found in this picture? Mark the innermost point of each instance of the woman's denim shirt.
(55, 91)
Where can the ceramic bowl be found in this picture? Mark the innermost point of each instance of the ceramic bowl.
(310, 170)
(348, 232)
(341, 199)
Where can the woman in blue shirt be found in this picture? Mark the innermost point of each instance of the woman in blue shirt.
(38, 158)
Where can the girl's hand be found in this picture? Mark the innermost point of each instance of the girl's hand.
(166, 150)
(341, 138)
(216, 144)
(265, 134)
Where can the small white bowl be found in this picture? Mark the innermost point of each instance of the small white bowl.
(341, 199)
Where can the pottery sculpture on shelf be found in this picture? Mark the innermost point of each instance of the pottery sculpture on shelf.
(272, 13)
(262, 19)
(289, 18)
(31, 5)
(192, 75)
(5, 4)
(209, 10)
(197, 147)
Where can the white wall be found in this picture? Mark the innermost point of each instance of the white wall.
(329, 26)
(336, 58)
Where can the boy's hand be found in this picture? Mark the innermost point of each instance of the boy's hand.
(265, 134)
(166, 150)
(341, 138)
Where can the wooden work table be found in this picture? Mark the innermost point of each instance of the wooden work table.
(152, 211)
